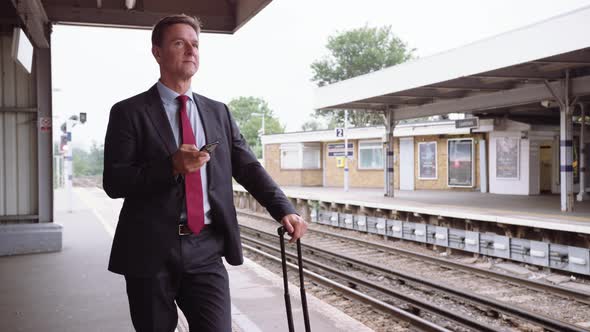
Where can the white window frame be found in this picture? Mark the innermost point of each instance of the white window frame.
(299, 148)
(472, 162)
(435, 161)
(360, 143)
(313, 147)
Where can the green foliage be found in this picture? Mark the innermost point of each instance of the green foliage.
(88, 162)
(312, 125)
(353, 53)
(247, 111)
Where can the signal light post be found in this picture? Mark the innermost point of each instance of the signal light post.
(67, 152)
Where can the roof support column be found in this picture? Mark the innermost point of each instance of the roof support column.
(566, 159)
(582, 166)
(566, 175)
(390, 158)
(45, 158)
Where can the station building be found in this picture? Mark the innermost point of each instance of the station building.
(496, 155)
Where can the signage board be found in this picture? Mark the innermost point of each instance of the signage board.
(467, 123)
(337, 150)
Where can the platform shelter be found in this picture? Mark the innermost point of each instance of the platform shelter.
(540, 72)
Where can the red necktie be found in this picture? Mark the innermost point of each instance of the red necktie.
(192, 181)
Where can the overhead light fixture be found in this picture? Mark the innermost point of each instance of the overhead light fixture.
(549, 103)
(130, 4)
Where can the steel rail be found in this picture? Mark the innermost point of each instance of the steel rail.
(415, 321)
(579, 296)
(422, 305)
(544, 321)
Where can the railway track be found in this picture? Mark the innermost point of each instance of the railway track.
(360, 265)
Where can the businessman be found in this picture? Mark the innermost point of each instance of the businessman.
(178, 218)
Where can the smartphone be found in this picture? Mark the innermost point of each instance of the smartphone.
(210, 147)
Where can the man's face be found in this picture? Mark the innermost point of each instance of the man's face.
(178, 56)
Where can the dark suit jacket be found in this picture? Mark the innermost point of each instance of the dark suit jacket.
(138, 149)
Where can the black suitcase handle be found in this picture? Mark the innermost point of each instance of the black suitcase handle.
(281, 230)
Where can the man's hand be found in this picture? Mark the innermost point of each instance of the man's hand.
(188, 159)
(295, 226)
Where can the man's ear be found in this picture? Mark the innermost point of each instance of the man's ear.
(156, 52)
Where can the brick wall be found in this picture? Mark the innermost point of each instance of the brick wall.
(356, 177)
(288, 177)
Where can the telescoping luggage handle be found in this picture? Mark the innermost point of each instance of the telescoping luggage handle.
(281, 230)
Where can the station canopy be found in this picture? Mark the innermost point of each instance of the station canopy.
(508, 74)
(220, 16)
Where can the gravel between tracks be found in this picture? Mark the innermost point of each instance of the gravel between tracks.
(547, 304)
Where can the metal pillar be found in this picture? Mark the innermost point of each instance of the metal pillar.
(566, 159)
(389, 160)
(582, 166)
(44, 152)
(566, 178)
(345, 150)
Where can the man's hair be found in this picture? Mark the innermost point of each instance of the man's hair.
(164, 23)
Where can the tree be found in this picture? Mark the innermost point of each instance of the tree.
(312, 125)
(357, 52)
(96, 159)
(80, 162)
(88, 163)
(248, 112)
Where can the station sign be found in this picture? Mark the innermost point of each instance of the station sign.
(337, 150)
(467, 123)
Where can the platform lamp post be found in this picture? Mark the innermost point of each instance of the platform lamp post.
(261, 131)
(66, 147)
(345, 150)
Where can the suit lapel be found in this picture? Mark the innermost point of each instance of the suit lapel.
(157, 115)
(207, 119)
(210, 128)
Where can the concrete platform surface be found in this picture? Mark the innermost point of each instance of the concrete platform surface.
(541, 211)
(258, 304)
(67, 291)
(71, 290)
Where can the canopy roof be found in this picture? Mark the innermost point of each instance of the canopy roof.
(505, 71)
(222, 16)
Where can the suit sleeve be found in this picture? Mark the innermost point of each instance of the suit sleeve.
(253, 177)
(123, 175)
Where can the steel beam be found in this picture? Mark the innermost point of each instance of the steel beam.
(520, 96)
(32, 14)
(563, 62)
(523, 77)
(18, 110)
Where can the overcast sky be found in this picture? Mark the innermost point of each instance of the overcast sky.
(270, 56)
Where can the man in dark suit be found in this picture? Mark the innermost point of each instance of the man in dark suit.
(178, 218)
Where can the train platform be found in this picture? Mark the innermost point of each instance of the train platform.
(540, 211)
(72, 290)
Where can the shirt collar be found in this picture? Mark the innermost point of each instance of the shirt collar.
(168, 95)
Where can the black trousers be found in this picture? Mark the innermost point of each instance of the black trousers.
(193, 278)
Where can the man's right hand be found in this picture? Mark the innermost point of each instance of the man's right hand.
(188, 159)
